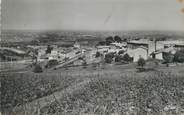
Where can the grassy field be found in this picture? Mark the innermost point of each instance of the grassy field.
(123, 95)
(106, 90)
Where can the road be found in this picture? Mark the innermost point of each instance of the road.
(69, 61)
(14, 65)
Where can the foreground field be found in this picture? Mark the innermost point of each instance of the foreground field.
(123, 95)
(113, 89)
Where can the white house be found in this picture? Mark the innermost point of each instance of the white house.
(76, 45)
(113, 50)
(157, 55)
(57, 54)
(102, 49)
(41, 55)
(119, 45)
(140, 52)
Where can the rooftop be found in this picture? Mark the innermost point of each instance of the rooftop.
(166, 50)
(102, 47)
(139, 42)
(119, 44)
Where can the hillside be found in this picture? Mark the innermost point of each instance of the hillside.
(111, 89)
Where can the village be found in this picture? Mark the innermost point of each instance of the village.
(54, 75)
(108, 51)
(92, 57)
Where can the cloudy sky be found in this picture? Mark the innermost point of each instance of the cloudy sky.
(92, 15)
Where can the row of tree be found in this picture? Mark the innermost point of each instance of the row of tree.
(111, 39)
(177, 57)
(109, 57)
(125, 59)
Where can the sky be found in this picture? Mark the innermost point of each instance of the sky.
(92, 15)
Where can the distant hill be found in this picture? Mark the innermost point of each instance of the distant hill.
(53, 36)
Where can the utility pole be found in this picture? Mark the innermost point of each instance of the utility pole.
(155, 42)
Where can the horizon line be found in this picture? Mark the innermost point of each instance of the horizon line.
(46, 30)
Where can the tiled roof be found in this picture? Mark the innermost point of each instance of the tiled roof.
(166, 50)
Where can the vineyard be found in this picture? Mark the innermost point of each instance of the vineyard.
(108, 95)
(107, 91)
(19, 89)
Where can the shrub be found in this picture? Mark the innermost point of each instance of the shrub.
(49, 49)
(108, 60)
(118, 58)
(168, 57)
(117, 39)
(80, 58)
(102, 43)
(124, 40)
(52, 63)
(127, 58)
(37, 69)
(109, 40)
(121, 52)
(179, 56)
(109, 57)
(141, 62)
(84, 64)
(97, 54)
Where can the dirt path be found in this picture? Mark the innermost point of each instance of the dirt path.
(34, 107)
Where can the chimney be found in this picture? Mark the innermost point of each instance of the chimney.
(155, 42)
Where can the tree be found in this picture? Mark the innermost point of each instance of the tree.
(34, 55)
(124, 40)
(37, 69)
(118, 58)
(168, 57)
(121, 52)
(109, 57)
(34, 42)
(108, 60)
(117, 39)
(84, 64)
(52, 63)
(49, 49)
(109, 40)
(179, 56)
(127, 58)
(97, 54)
(101, 43)
(141, 62)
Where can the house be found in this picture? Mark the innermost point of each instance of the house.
(133, 44)
(58, 54)
(171, 43)
(150, 45)
(119, 45)
(179, 46)
(41, 55)
(140, 52)
(73, 53)
(90, 55)
(113, 49)
(102, 49)
(76, 45)
(15, 50)
(78, 62)
(163, 47)
(159, 53)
